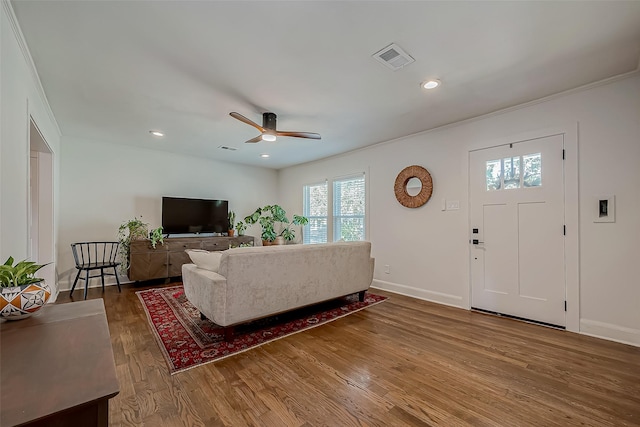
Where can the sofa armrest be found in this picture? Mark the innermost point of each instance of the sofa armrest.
(206, 290)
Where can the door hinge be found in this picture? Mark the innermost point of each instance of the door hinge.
(563, 154)
(565, 305)
(564, 230)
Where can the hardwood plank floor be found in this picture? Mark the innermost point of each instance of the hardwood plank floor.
(404, 362)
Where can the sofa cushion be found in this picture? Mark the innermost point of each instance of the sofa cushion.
(204, 259)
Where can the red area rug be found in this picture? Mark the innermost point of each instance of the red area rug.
(187, 341)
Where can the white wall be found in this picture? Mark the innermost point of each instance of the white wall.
(22, 97)
(427, 249)
(103, 185)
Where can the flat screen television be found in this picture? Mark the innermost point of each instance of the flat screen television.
(180, 215)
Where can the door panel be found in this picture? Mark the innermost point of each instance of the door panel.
(532, 241)
(517, 207)
(500, 259)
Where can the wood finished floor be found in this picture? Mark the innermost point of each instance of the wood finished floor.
(404, 362)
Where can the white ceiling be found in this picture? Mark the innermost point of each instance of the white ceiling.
(113, 70)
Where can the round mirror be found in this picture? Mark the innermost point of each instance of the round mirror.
(414, 185)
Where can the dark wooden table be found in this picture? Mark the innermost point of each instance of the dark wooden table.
(57, 367)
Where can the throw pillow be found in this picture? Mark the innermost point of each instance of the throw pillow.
(205, 259)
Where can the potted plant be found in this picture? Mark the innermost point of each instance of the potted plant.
(268, 216)
(241, 227)
(232, 221)
(131, 230)
(156, 237)
(288, 233)
(22, 293)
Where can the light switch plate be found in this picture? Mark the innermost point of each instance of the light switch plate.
(453, 205)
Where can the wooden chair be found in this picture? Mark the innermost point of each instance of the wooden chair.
(95, 256)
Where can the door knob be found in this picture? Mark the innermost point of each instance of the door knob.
(477, 242)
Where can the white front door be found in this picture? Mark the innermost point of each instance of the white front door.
(517, 221)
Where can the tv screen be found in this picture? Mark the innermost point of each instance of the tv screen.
(180, 215)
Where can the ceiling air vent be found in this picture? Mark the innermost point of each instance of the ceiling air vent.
(393, 57)
(224, 147)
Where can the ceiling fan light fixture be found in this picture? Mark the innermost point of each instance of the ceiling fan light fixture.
(156, 133)
(430, 84)
(268, 130)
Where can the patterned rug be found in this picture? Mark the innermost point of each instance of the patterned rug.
(187, 341)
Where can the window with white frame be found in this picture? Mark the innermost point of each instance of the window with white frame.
(336, 208)
(316, 208)
(349, 208)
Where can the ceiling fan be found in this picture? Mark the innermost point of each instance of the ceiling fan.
(268, 130)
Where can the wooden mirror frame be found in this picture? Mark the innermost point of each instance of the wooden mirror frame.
(402, 180)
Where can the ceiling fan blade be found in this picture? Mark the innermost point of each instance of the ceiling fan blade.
(247, 121)
(256, 139)
(308, 135)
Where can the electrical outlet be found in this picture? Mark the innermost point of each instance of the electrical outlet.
(387, 270)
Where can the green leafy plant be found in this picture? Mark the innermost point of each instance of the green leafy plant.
(288, 233)
(156, 237)
(232, 220)
(131, 230)
(23, 273)
(241, 227)
(268, 216)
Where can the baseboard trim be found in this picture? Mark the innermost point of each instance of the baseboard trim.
(65, 285)
(423, 294)
(610, 332)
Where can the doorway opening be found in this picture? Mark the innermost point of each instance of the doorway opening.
(41, 221)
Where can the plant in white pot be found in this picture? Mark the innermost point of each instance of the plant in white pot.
(21, 293)
(241, 227)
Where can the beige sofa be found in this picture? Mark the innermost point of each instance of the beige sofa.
(257, 282)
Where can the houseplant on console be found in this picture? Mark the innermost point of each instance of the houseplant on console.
(21, 293)
(241, 227)
(135, 229)
(232, 222)
(267, 217)
(156, 237)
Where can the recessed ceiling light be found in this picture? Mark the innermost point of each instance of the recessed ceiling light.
(430, 84)
(156, 133)
(264, 156)
(268, 137)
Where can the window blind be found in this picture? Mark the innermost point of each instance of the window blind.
(349, 208)
(315, 207)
